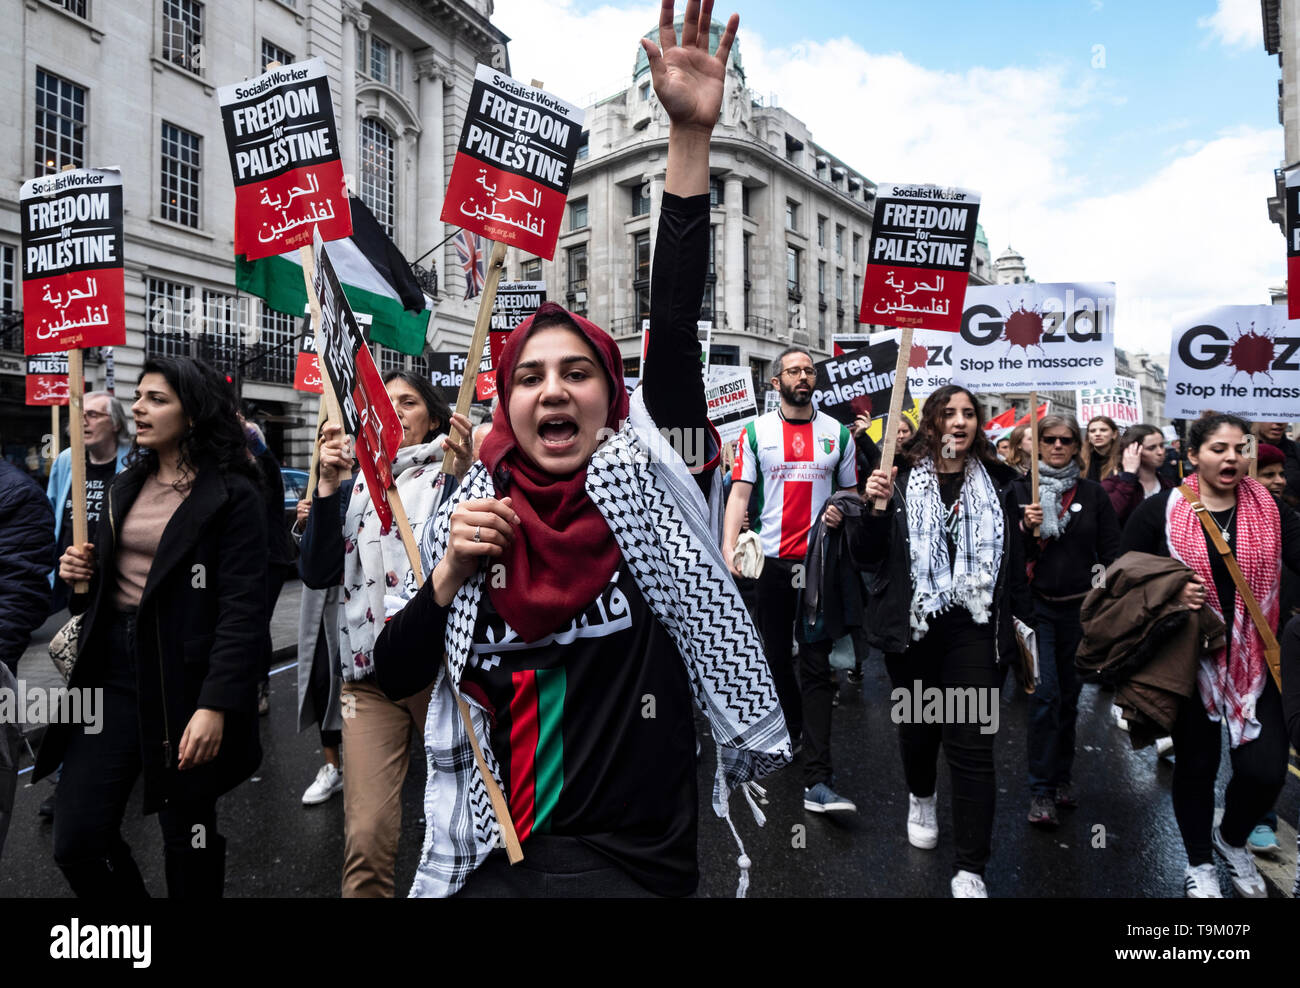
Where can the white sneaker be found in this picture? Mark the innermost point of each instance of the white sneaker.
(1246, 878)
(1164, 747)
(968, 885)
(923, 822)
(329, 780)
(1118, 714)
(1202, 882)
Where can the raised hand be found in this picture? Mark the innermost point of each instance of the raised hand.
(687, 79)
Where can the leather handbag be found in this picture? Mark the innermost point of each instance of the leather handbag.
(63, 646)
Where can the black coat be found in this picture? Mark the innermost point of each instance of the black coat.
(1063, 567)
(26, 557)
(886, 544)
(199, 629)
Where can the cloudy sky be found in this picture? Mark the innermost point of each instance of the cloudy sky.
(1111, 141)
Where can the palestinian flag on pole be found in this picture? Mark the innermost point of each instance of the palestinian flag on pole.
(376, 279)
(1002, 425)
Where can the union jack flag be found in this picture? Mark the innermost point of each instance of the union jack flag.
(469, 248)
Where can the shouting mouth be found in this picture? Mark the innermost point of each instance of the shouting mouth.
(557, 432)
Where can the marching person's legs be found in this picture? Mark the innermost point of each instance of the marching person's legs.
(777, 601)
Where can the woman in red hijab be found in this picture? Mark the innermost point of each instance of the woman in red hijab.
(578, 592)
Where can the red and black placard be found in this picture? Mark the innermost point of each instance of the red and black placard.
(284, 155)
(918, 260)
(514, 163)
(47, 379)
(1293, 244)
(73, 287)
(306, 370)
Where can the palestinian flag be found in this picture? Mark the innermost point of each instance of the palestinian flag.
(1003, 425)
(376, 279)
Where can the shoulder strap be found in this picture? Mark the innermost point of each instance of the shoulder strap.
(1272, 651)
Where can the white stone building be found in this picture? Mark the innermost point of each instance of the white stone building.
(97, 83)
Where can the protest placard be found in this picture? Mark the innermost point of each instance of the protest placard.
(922, 240)
(1243, 359)
(306, 371)
(729, 392)
(1036, 337)
(1293, 243)
(771, 400)
(858, 383)
(47, 379)
(446, 370)
(515, 301)
(284, 156)
(1121, 403)
(929, 360)
(73, 283)
(514, 163)
(366, 410)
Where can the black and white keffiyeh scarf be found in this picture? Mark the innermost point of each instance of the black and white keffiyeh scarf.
(1053, 482)
(968, 580)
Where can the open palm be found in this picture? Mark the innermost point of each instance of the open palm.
(687, 79)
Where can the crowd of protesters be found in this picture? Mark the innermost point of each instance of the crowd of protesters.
(564, 575)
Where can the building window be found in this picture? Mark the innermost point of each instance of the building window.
(640, 199)
(584, 145)
(578, 213)
(839, 240)
(271, 52)
(645, 91)
(744, 200)
(747, 240)
(277, 359)
(77, 7)
(224, 317)
(839, 300)
(576, 263)
(387, 359)
(715, 193)
(641, 275)
(60, 123)
(711, 279)
(179, 201)
(377, 171)
(381, 54)
(821, 283)
(821, 231)
(531, 270)
(857, 297)
(183, 33)
(857, 247)
(792, 265)
(169, 314)
(8, 281)
(791, 215)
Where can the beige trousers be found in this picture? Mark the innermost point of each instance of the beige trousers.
(377, 737)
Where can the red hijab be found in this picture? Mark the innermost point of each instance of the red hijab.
(564, 553)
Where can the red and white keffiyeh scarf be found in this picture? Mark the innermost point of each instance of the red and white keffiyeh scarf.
(1232, 680)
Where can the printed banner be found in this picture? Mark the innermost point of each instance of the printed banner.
(447, 370)
(877, 427)
(771, 400)
(306, 371)
(47, 379)
(929, 365)
(1293, 243)
(1122, 403)
(73, 282)
(515, 302)
(858, 383)
(729, 392)
(1036, 337)
(368, 415)
(919, 257)
(284, 156)
(1243, 359)
(513, 164)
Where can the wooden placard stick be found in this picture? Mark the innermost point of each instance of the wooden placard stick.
(321, 418)
(479, 340)
(895, 409)
(408, 536)
(76, 387)
(54, 434)
(331, 403)
(1033, 456)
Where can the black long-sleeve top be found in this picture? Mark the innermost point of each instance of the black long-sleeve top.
(1062, 567)
(320, 553)
(1146, 532)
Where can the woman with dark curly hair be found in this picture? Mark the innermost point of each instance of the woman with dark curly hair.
(170, 631)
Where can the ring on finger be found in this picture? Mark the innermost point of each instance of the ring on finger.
(478, 529)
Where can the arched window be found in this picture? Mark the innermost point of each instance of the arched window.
(376, 160)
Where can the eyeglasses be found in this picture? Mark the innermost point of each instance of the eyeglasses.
(798, 372)
(95, 415)
(1057, 440)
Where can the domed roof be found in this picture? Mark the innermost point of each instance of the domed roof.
(1010, 254)
(642, 66)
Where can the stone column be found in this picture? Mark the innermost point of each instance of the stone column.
(733, 255)
(431, 177)
(353, 21)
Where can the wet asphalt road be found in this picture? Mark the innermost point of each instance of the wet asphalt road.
(280, 848)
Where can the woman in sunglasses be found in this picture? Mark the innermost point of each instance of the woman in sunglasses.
(1069, 531)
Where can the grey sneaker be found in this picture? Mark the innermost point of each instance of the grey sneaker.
(968, 885)
(1246, 878)
(821, 798)
(1042, 811)
(1202, 882)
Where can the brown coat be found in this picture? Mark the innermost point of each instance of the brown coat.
(1141, 638)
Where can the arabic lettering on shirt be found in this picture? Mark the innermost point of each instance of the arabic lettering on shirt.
(612, 614)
